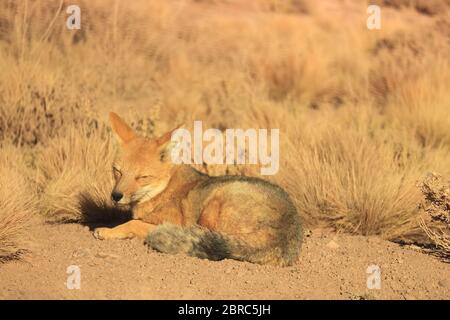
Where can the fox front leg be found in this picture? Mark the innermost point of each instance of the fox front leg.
(128, 230)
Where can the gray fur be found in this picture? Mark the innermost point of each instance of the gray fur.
(194, 241)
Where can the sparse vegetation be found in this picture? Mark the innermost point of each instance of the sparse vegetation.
(17, 203)
(362, 115)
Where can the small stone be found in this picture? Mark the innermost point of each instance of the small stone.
(83, 252)
(104, 255)
(444, 283)
(332, 244)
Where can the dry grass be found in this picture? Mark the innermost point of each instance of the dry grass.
(363, 115)
(17, 203)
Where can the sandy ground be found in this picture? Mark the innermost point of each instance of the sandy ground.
(330, 267)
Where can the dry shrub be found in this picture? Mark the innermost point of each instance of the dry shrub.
(402, 58)
(17, 203)
(50, 81)
(424, 109)
(286, 6)
(36, 103)
(36, 100)
(428, 7)
(31, 120)
(436, 206)
(409, 83)
(74, 176)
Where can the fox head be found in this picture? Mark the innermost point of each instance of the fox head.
(142, 167)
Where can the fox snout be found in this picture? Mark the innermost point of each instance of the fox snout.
(116, 196)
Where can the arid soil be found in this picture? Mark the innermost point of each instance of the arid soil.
(331, 266)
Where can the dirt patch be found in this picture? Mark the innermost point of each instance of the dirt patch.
(331, 266)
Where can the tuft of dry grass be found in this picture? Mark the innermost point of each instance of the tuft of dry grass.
(17, 203)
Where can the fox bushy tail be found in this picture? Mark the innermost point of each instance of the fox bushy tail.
(203, 243)
(196, 241)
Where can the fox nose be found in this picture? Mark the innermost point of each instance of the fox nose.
(116, 196)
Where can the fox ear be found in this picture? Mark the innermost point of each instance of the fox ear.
(166, 137)
(166, 144)
(123, 132)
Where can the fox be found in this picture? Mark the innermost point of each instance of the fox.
(177, 209)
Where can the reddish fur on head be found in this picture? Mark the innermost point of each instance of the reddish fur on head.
(142, 167)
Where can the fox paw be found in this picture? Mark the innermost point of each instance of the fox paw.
(100, 233)
(108, 233)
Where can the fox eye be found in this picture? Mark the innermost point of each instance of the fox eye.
(144, 177)
(117, 172)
